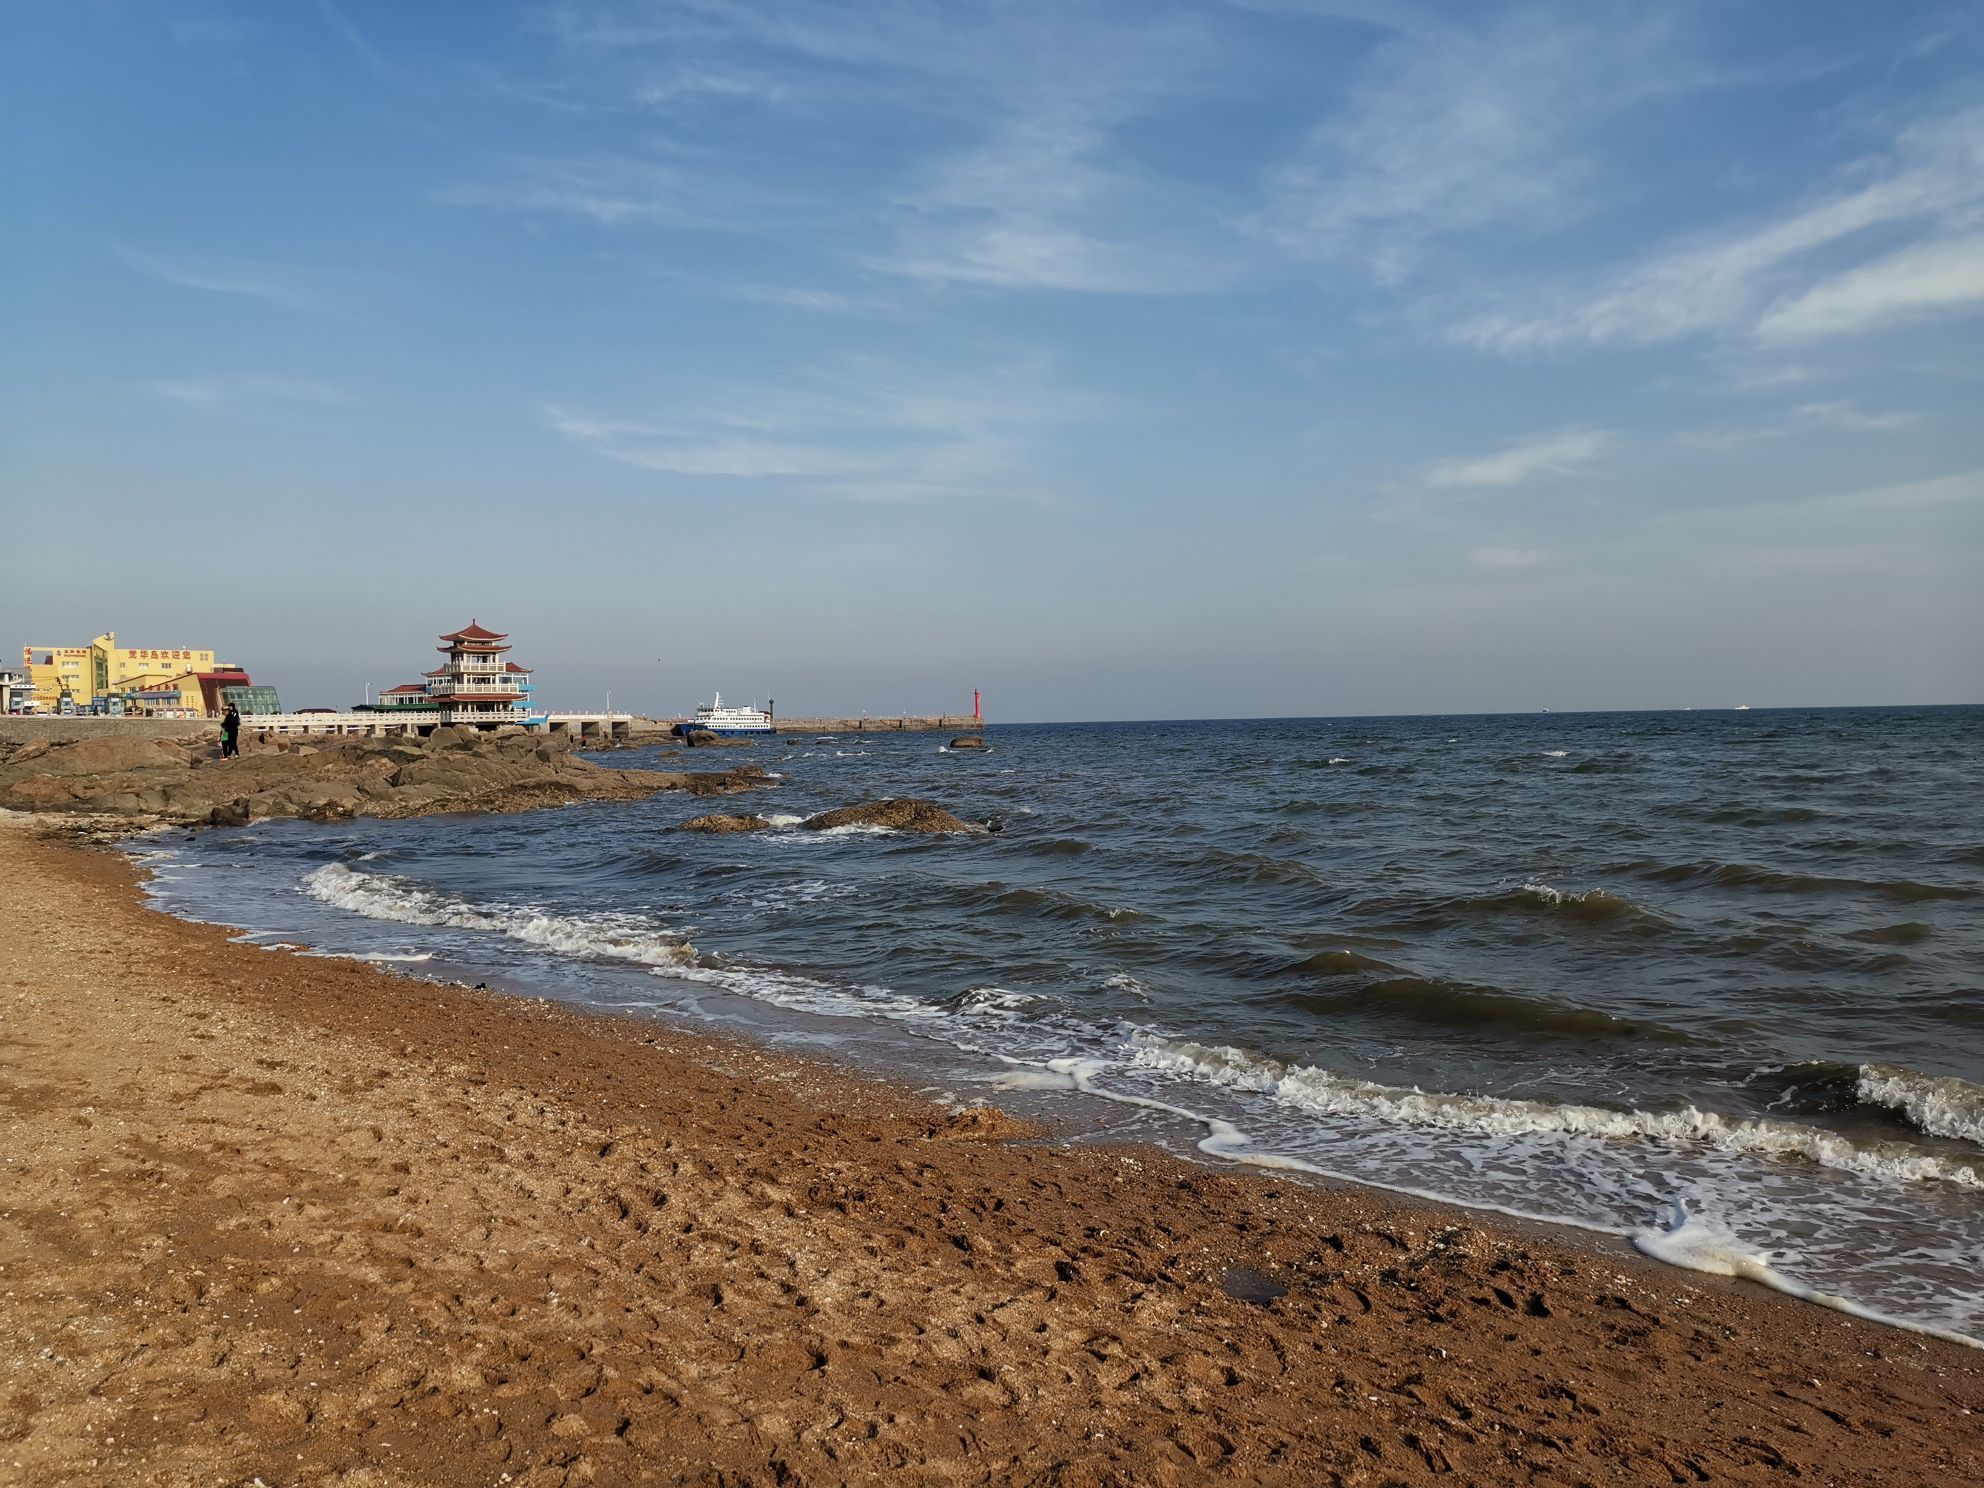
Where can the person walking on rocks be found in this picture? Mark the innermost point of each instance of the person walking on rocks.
(230, 732)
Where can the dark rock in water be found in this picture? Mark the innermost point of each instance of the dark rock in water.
(728, 782)
(720, 823)
(704, 739)
(967, 741)
(899, 814)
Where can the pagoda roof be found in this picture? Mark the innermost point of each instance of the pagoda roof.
(477, 697)
(511, 666)
(404, 687)
(437, 672)
(474, 632)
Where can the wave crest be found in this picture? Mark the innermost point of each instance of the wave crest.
(1940, 1105)
(379, 896)
(1327, 1093)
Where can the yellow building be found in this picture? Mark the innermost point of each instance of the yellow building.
(103, 668)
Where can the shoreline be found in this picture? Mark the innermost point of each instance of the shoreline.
(334, 1224)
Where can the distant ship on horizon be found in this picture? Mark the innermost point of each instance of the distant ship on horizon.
(714, 718)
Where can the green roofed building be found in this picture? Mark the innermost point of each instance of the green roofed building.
(251, 699)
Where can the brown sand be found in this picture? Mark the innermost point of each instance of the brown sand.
(290, 1221)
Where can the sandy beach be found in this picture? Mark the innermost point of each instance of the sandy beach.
(281, 1220)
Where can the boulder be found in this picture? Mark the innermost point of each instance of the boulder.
(743, 778)
(104, 754)
(967, 741)
(899, 814)
(720, 824)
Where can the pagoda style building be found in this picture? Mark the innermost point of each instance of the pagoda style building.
(476, 686)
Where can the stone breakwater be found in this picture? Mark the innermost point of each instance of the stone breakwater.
(929, 723)
(155, 782)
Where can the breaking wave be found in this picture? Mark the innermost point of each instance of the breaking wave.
(1940, 1105)
(377, 896)
(1324, 1092)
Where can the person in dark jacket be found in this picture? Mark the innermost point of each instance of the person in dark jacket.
(230, 732)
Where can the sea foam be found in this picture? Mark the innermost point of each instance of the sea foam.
(615, 937)
(1327, 1093)
(1942, 1106)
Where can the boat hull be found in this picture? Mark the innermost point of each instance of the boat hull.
(727, 730)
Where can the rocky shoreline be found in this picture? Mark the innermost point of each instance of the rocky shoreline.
(141, 783)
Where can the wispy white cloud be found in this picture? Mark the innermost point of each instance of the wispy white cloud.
(818, 301)
(1037, 184)
(249, 280)
(1051, 195)
(1037, 208)
(1840, 415)
(1546, 454)
(1961, 489)
(222, 392)
(1928, 278)
(342, 27)
(620, 190)
(1456, 128)
(1933, 176)
(863, 428)
(685, 86)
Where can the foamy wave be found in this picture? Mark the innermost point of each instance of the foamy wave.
(378, 897)
(1330, 1094)
(383, 956)
(783, 818)
(1697, 1245)
(804, 994)
(1943, 1106)
(998, 1002)
(1555, 753)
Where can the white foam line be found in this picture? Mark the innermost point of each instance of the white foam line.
(1684, 1242)
(1330, 1094)
(618, 938)
(1695, 1245)
(1941, 1105)
(1227, 1142)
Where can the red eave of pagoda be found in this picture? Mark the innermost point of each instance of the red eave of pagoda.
(511, 666)
(477, 697)
(473, 637)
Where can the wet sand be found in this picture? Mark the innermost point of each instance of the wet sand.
(300, 1221)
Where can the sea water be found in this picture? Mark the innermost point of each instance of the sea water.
(1711, 980)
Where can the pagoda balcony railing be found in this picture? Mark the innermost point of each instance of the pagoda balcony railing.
(471, 685)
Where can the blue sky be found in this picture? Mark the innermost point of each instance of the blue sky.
(1123, 360)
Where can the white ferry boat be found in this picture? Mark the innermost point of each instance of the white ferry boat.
(714, 718)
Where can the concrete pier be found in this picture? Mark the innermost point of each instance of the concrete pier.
(931, 723)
